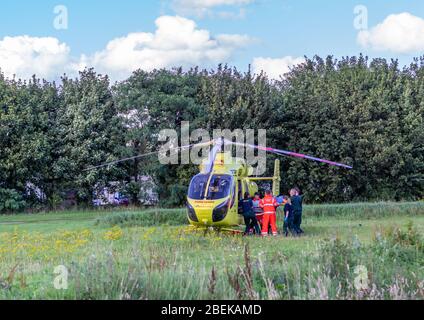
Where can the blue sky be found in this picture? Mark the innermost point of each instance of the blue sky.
(268, 29)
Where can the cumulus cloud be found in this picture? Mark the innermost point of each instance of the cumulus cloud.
(275, 68)
(24, 56)
(176, 42)
(201, 8)
(400, 33)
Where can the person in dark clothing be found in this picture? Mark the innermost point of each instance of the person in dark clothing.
(301, 208)
(296, 201)
(249, 215)
(288, 217)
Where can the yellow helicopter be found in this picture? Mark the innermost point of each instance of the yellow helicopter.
(214, 193)
(212, 197)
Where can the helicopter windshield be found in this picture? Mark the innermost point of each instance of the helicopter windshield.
(219, 187)
(198, 186)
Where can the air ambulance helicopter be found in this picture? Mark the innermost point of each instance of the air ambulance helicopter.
(213, 194)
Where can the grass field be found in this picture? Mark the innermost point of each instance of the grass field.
(353, 251)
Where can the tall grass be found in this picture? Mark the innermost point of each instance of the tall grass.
(393, 270)
(152, 217)
(156, 261)
(156, 217)
(365, 210)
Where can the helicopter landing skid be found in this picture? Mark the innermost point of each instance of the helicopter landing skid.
(207, 229)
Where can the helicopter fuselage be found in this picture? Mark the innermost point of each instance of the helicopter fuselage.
(213, 196)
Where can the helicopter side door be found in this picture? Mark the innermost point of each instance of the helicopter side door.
(242, 189)
(239, 195)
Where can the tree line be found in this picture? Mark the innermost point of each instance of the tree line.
(366, 113)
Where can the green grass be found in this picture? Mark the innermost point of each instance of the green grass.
(46, 222)
(131, 254)
(152, 217)
(366, 210)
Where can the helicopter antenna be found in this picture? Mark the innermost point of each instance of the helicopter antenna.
(290, 154)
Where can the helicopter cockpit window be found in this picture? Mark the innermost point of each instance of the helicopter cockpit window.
(197, 186)
(219, 187)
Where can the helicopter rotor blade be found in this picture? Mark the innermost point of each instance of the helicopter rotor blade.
(290, 154)
(217, 146)
(120, 160)
(146, 155)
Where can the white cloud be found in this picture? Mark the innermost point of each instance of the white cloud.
(201, 8)
(213, 3)
(234, 40)
(176, 42)
(24, 56)
(275, 68)
(400, 33)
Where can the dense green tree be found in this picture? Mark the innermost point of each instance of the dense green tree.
(90, 133)
(351, 111)
(27, 131)
(152, 102)
(365, 113)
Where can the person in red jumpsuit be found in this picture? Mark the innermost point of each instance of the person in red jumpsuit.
(269, 205)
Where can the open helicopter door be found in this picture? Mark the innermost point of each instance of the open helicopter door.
(276, 179)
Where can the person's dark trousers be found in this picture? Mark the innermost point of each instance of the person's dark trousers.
(300, 223)
(251, 223)
(247, 223)
(288, 227)
(297, 220)
(255, 224)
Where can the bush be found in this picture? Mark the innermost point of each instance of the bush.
(11, 200)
